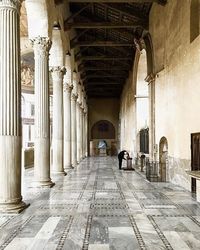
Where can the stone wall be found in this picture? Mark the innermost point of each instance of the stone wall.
(177, 85)
(104, 109)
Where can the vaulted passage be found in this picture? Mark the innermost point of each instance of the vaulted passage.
(99, 207)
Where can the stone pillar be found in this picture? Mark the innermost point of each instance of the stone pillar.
(73, 130)
(67, 125)
(10, 109)
(86, 132)
(41, 46)
(152, 147)
(84, 135)
(57, 139)
(81, 137)
(78, 129)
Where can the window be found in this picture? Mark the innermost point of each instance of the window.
(144, 141)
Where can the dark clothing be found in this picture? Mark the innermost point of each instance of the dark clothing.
(121, 157)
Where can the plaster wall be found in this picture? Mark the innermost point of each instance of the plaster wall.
(128, 116)
(177, 86)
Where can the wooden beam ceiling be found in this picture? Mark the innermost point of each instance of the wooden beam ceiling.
(104, 41)
(119, 1)
(101, 44)
(103, 58)
(104, 69)
(103, 25)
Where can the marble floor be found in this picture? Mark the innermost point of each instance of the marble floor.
(98, 207)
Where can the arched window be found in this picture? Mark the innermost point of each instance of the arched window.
(194, 19)
(103, 130)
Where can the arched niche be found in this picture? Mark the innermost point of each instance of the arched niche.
(141, 98)
(103, 129)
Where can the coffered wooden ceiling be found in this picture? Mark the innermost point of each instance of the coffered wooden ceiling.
(106, 32)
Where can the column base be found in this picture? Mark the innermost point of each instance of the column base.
(69, 167)
(11, 208)
(59, 173)
(42, 184)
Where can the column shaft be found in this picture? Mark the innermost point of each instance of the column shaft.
(10, 109)
(81, 132)
(86, 134)
(73, 130)
(41, 46)
(78, 130)
(57, 139)
(67, 126)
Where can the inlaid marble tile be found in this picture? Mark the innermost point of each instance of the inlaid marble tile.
(96, 206)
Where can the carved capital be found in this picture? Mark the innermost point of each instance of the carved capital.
(41, 45)
(14, 4)
(150, 78)
(74, 96)
(67, 87)
(57, 73)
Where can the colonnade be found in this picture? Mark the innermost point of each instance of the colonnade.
(69, 141)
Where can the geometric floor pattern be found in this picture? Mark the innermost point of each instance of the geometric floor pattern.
(98, 207)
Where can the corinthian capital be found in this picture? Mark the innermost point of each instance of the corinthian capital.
(14, 4)
(74, 97)
(58, 69)
(41, 45)
(67, 87)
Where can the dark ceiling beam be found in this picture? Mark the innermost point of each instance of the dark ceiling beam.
(103, 25)
(102, 83)
(78, 12)
(79, 35)
(114, 68)
(132, 13)
(100, 44)
(102, 58)
(57, 2)
(90, 76)
(162, 2)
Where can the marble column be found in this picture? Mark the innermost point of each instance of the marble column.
(81, 135)
(67, 125)
(78, 129)
(86, 133)
(57, 139)
(10, 109)
(73, 129)
(41, 46)
(152, 147)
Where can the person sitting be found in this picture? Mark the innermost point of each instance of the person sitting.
(122, 156)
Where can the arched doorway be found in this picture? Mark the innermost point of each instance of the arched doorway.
(163, 159)
(103, 130)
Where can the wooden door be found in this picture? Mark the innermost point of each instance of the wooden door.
(195, 157)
